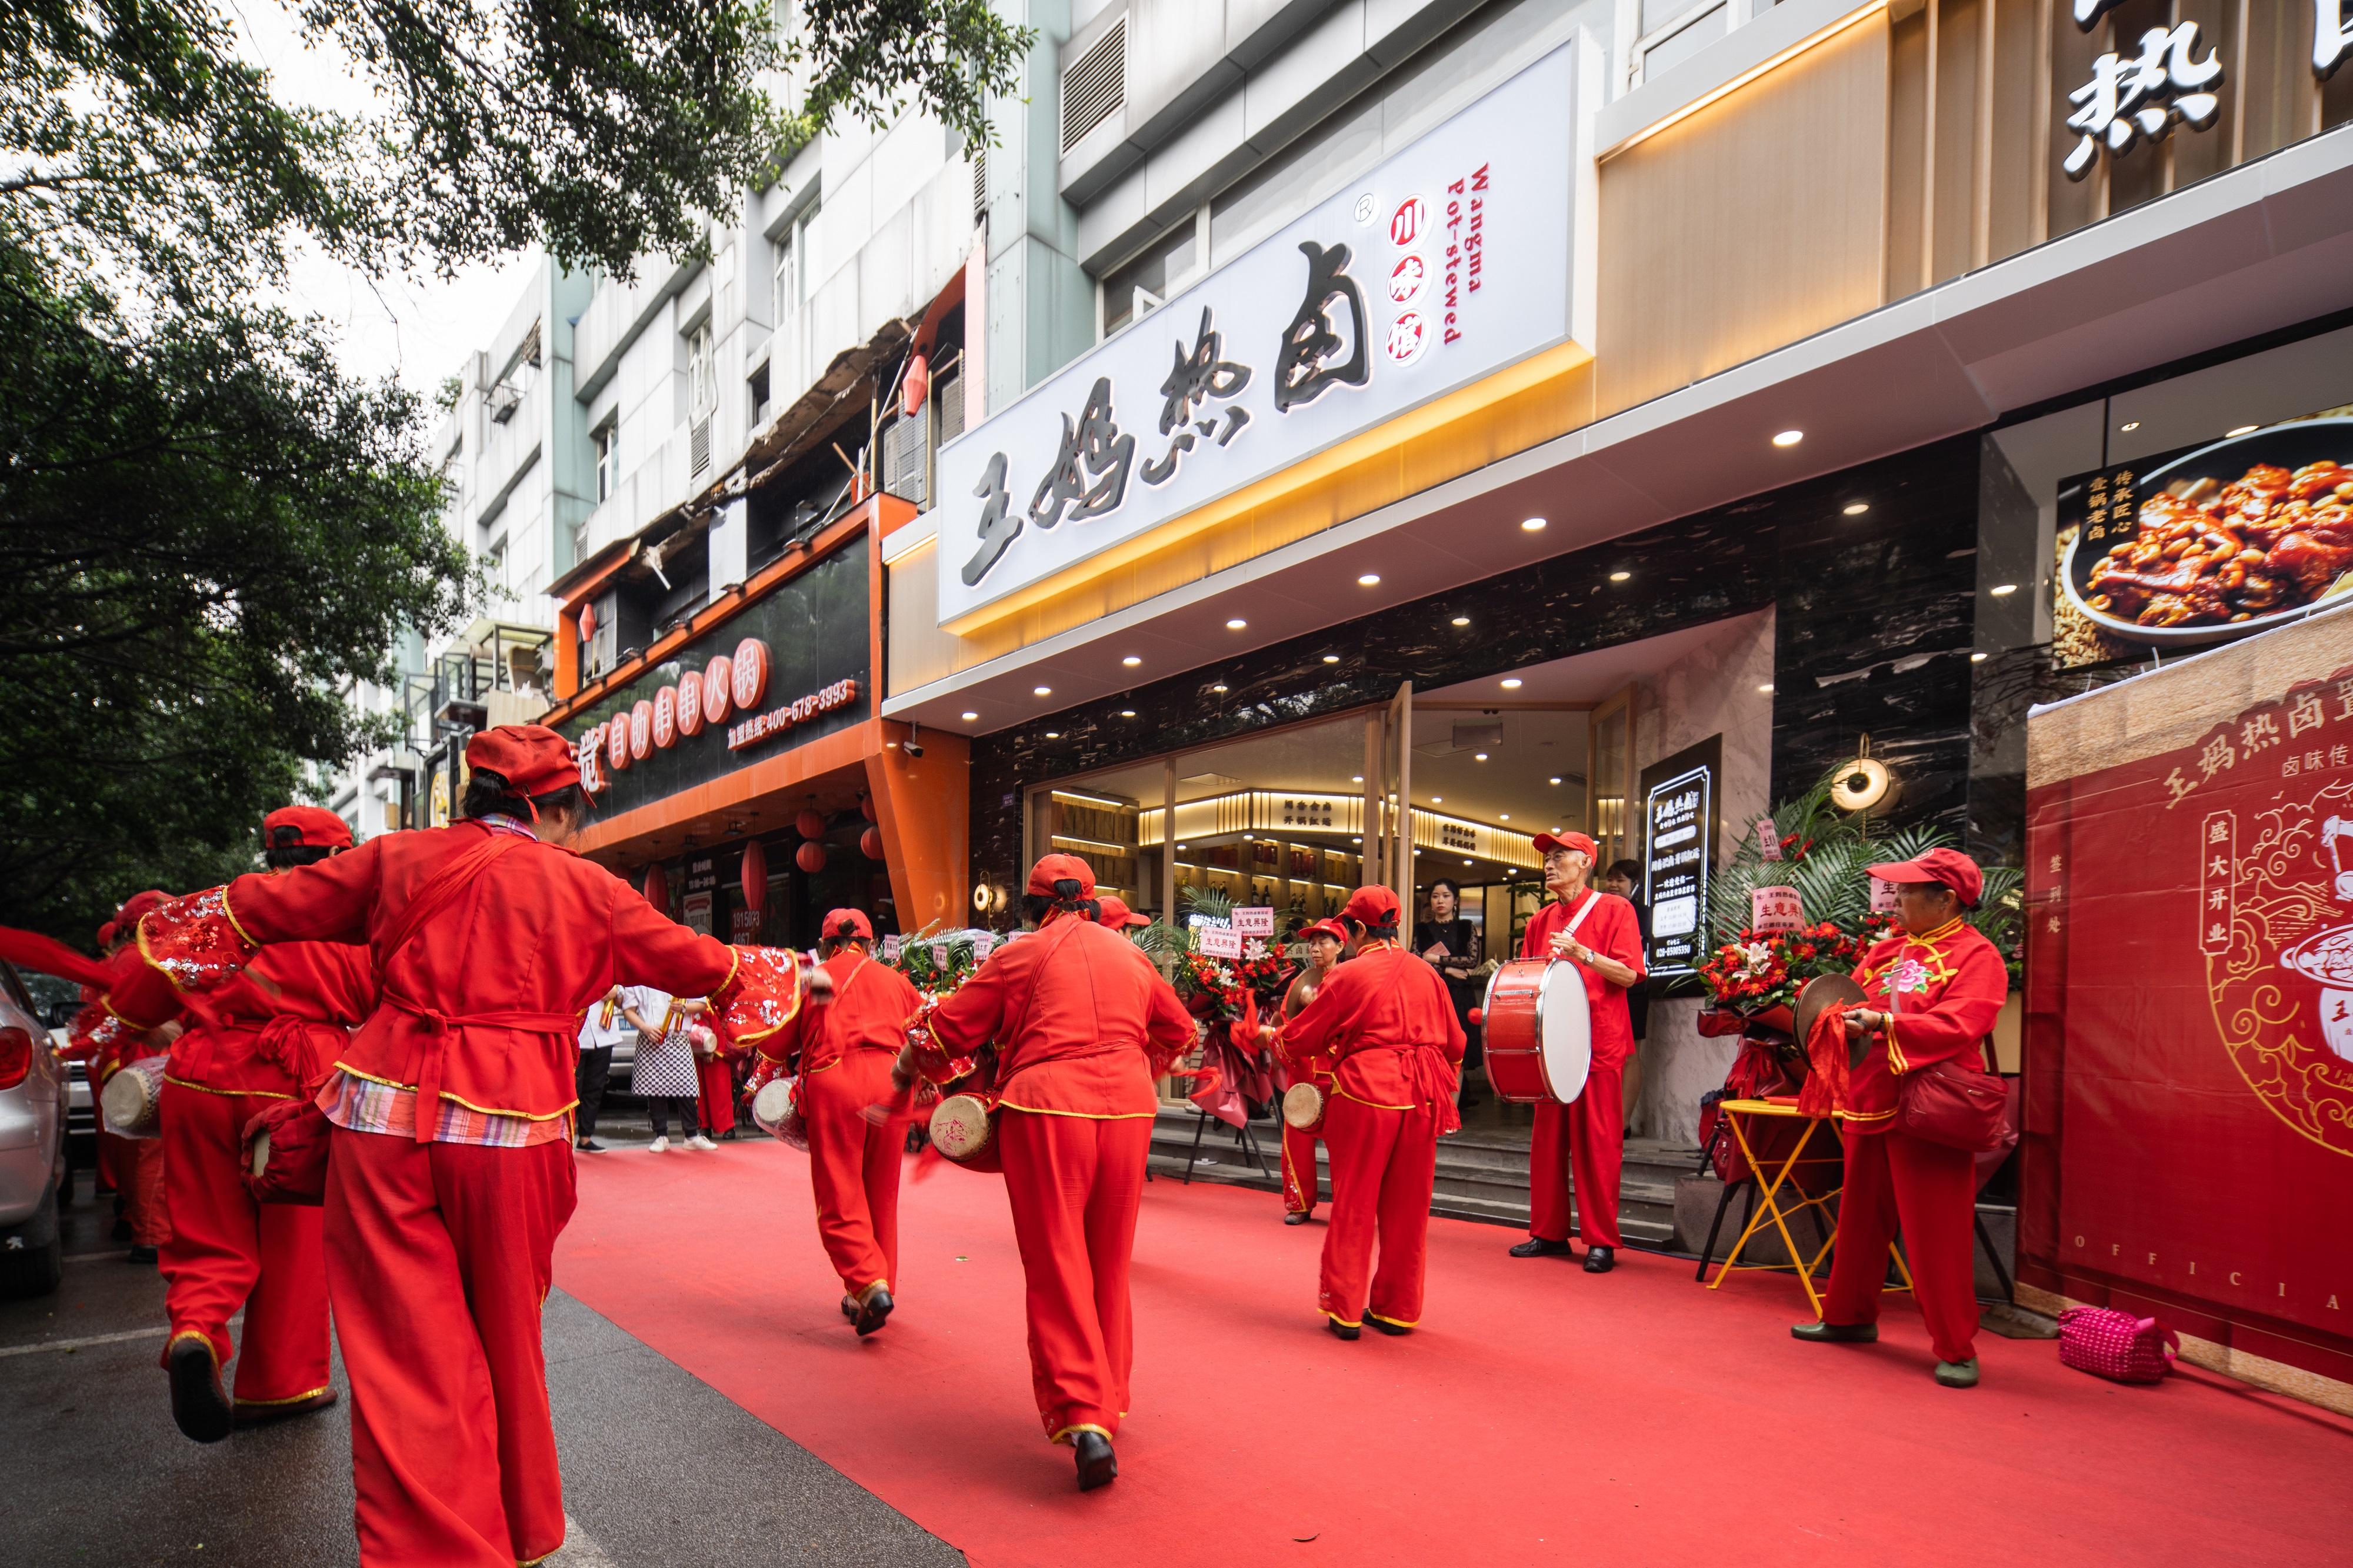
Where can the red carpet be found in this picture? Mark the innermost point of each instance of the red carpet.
(1540, 1417)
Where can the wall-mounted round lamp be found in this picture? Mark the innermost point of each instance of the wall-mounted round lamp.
(1862, 784)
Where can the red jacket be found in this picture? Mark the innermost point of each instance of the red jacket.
(1944, 991)
(276, 1029)
(872, 1005)
(1386, 1020)
(1612, 930)
(1082, 1020)
(483, 1003)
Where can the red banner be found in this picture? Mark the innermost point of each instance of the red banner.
(2190, 998)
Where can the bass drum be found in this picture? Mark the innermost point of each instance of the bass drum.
(1303, 1104)
(963, 1129)
(133, 1098)
(1540, 1031)
(776, 1111)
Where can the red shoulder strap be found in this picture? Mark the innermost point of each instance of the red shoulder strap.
(431, 898)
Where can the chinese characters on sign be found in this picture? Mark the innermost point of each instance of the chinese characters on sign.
(1775, 908)
(1679, 810)
(2128, 101)
(1194, 379)
(2298, 736)
(1254, 920)
(1304, 368)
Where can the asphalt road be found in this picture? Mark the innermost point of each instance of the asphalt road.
(658, 1467)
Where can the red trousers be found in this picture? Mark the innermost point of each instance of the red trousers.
(854, 1168)
(1931, 1191)
(145, 1202)
(1074, 1183)
(1299, 1179)
(716, 1081)
(439, 1257)
(1588, 1137)
(227, 1251)
(1384, 1164)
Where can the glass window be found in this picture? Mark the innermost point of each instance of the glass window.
(781, 296)
(1144, 285)
(1683, 43)
(698, 373)
(608, 460)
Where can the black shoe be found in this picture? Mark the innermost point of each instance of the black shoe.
(872, 1312)
(122, 1231)
(144, 1255)
(263, 1414)
(1537, 1247)
(1098, 1465)
(200, 1406)
(1836, 1333)
(1341, 1331)
(590, 1146)
(1385, 1326)
(1297, 1218)
(850, 1306)
(1600, 1259)
(728, 1136)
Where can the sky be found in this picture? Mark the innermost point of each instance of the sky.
(418, 329)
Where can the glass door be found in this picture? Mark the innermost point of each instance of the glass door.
(1609, 752)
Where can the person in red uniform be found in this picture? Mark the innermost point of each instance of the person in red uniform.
(1930, 995)
(134, 1166)
(845, 1052)
(268, 1035)
(1117, 915)
(1323, 939)
(1600, 934)
(1082, 1023)
(1387, 1022)
(450, 1173)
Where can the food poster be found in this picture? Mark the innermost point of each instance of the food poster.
(2182, 548)
(2190, 997)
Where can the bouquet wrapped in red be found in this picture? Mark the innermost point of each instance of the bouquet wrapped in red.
(1761, 973)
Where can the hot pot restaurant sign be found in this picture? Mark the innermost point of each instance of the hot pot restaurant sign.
(1447, 262)
(2190, 996)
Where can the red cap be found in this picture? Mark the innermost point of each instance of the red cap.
(1053, 868)
(532, 758)
(1548, 842)
(106, 936)
(847, 923)
(136, 906)
(1372, 906)
(1332, 928)
(1950, 867)
(315, 827)
(1117, 915)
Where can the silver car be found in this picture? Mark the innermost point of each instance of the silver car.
(33, 1097)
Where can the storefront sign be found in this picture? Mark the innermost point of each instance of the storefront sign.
(1679, 859)
(2190, 996)
(1447, 262)
(698, 714)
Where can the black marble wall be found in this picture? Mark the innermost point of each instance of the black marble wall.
(1873, 635)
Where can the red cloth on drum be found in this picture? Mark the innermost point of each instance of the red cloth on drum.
(1930, 1191)
(1387, 1022)
(854, 1167)
(871, 1007)
(1074, 1183)
(1384, 1167)
(1944, 990)
(1611, 931)
(1586, 1138)
(227, 1251)
(1092, 1023)
(439, 1257)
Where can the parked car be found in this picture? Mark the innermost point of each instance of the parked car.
(33, 1092)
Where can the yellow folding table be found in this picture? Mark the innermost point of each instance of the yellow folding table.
(1771, 1207)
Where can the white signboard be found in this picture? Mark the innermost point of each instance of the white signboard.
(1220, 941)
(1446, 263)
(891, 950)
(1254, 920)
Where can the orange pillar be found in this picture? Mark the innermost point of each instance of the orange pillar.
(923, 805)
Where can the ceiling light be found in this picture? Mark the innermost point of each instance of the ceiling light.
(1789, 438)
(1555, 827)
(1466, 860)
(1512, 683)
(1503, 816)
(1438, 800)
(969, 717)
(1355, 839)
(1532, 524)
(1368, 579)
(2129, 425)
(1479, 756)
(1237, 624)
(1042, 692)
(1220, 686)
(1620, 576)
(1556, 779)
(1053, 735)
(1331, 658)
(1357, 779)
(1131, 661)
(1999, 589)
(1180, 846)
(1127, 713)
(1976, 658)
(1767, 688)
(2243, 430)
(1857, 507)
(1462, 620)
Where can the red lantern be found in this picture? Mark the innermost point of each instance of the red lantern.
(587, 623)
(915, 386)
(866, 807)
(869, 843)
(810, 857)
(756, 876)
(658, 887)
(811, 822)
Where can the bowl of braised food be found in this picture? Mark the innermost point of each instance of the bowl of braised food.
(2245, 533)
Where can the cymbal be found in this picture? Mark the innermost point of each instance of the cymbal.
(1819, 992)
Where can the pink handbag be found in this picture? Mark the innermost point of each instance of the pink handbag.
(2109, 1344)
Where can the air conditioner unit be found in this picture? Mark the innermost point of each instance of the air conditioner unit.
(504, 401)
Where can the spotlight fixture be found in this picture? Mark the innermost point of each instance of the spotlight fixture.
(1357, 779)
(1220, 686)
(1620, 576)
(1462, 620)
(1504, 816)
(1127, 713)
(1368, 579)
(1999, 589)
(1765, 689)
(1512, 683)
(1237, 624)
(1053, 735)
(1976, 658)
(969, 716)
(1042, 692)
(1331, 658)
(1856, 508)
(1131, 661)
(1789, 438)
(1438, 800)
(1478, 756)
(1554, 779)
(1532, 524)
(2129, 426)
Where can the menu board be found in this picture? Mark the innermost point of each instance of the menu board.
(1679, 830)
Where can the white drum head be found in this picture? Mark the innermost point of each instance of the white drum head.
(773, 1103)
(1565, 1021)
(260, 1154)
